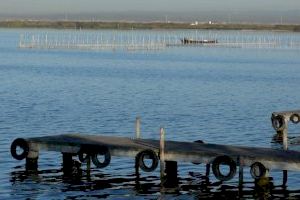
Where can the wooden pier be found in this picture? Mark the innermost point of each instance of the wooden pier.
(168, 153)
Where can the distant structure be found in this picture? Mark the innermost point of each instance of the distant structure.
(194, 23)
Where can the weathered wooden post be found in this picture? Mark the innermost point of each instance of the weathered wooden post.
(67, 163)
(137, 168)
(240, 162)
(168, 169)
(162, 153)
(88, 165)
(32, 157)
(207, 171)
(280, 124)
(137, 136)
(138, 128)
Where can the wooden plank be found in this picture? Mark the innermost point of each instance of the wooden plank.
(174, 151)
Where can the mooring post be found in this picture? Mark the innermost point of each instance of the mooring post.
(171, 178)
(280, 124)
(284, 134)
(32, 157)
(67, 162)
(207, 171)
(264, 181)
(285, 148)
(88, 165)
(162, 153)
(241, 170)
(137, 167)
(138, 128)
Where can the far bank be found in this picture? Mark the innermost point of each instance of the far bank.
(144, 25)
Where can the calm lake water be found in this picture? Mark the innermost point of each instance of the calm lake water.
(219, 95)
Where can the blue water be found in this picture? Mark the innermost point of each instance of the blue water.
(219, 95)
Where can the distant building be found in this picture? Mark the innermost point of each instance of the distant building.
(195, 23)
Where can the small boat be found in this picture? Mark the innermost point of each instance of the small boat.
(192, 41)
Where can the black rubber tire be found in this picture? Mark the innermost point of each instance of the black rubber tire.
(152, 155)
(19, 142)
(224, 160)
(293, 116)
(278, 122)
(107, 157)
(262, 170)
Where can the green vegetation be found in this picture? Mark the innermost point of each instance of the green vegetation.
(140, 25)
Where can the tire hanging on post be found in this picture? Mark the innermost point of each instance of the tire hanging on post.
(150, 155)
(278, 122)
(107, 157)
(258, 170)
(21, 143)
(223, 160)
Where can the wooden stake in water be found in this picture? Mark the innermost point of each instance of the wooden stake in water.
(162, 152)
(241, 171)
(138, 128)
(285, 148)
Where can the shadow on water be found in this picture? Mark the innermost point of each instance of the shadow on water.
(82, 185)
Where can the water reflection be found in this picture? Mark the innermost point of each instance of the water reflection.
(82, 185)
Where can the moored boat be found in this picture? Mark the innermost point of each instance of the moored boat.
(192, 41)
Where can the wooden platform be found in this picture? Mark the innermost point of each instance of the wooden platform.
(174, 151)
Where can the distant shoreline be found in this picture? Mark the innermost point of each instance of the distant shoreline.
(143, 25)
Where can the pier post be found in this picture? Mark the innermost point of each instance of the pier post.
(32, 157)
(67, 162)
(138, 128)
(280, 124)
(241, 171)
(137, 167)
(168, 169)
(162, 153)
(207, 171)
(88, 166)
(285, 147)
(171, 178)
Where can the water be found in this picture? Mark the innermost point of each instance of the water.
(219, 95)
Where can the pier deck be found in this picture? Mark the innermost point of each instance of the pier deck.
(174, 150)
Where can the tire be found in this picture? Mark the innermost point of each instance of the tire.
(278, 122)
(107, 157)
(223, 160)
(258, 170)
(151, 155)
(19, 142)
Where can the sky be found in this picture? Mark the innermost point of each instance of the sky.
(176, 9)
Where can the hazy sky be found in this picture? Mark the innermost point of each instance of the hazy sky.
(36, 7)
(55, 6)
